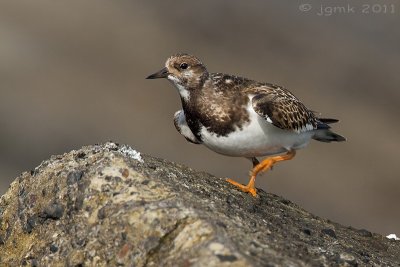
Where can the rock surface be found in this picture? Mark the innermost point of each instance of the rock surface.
(107, 205)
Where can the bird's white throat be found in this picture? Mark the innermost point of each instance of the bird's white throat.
(184, 93)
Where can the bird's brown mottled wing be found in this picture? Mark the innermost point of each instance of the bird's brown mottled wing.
(279, 107)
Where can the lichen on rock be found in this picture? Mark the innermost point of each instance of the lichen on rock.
(108, 205)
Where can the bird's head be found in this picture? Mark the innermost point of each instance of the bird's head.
(185, 71)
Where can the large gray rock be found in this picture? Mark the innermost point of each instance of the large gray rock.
(107, 205)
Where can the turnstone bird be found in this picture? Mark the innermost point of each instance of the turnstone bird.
(239, 117)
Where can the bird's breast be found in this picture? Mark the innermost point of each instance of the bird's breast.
(217, 112)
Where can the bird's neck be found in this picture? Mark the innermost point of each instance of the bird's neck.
(190, 87)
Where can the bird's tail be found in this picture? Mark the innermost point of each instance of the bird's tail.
(324, 134)
(328, 136)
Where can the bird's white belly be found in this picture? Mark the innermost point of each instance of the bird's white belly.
(257, 138)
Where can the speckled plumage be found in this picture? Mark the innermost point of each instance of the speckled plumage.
(237, 116)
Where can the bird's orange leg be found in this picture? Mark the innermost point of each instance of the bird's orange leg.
(261, 167)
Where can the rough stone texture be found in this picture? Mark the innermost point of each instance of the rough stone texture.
(106, 205)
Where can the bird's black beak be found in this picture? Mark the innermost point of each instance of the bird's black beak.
(160, 74)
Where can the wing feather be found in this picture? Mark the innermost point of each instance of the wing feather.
(284, 110)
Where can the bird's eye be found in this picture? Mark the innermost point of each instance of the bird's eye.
(183, 66)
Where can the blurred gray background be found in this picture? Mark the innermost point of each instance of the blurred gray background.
(72, 73)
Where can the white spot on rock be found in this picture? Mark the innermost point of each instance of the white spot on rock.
(111, 145)
(216, 247)
(393, 237)
(132, 153)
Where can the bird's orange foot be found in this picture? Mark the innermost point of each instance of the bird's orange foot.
(259, 168)
(250, 188)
